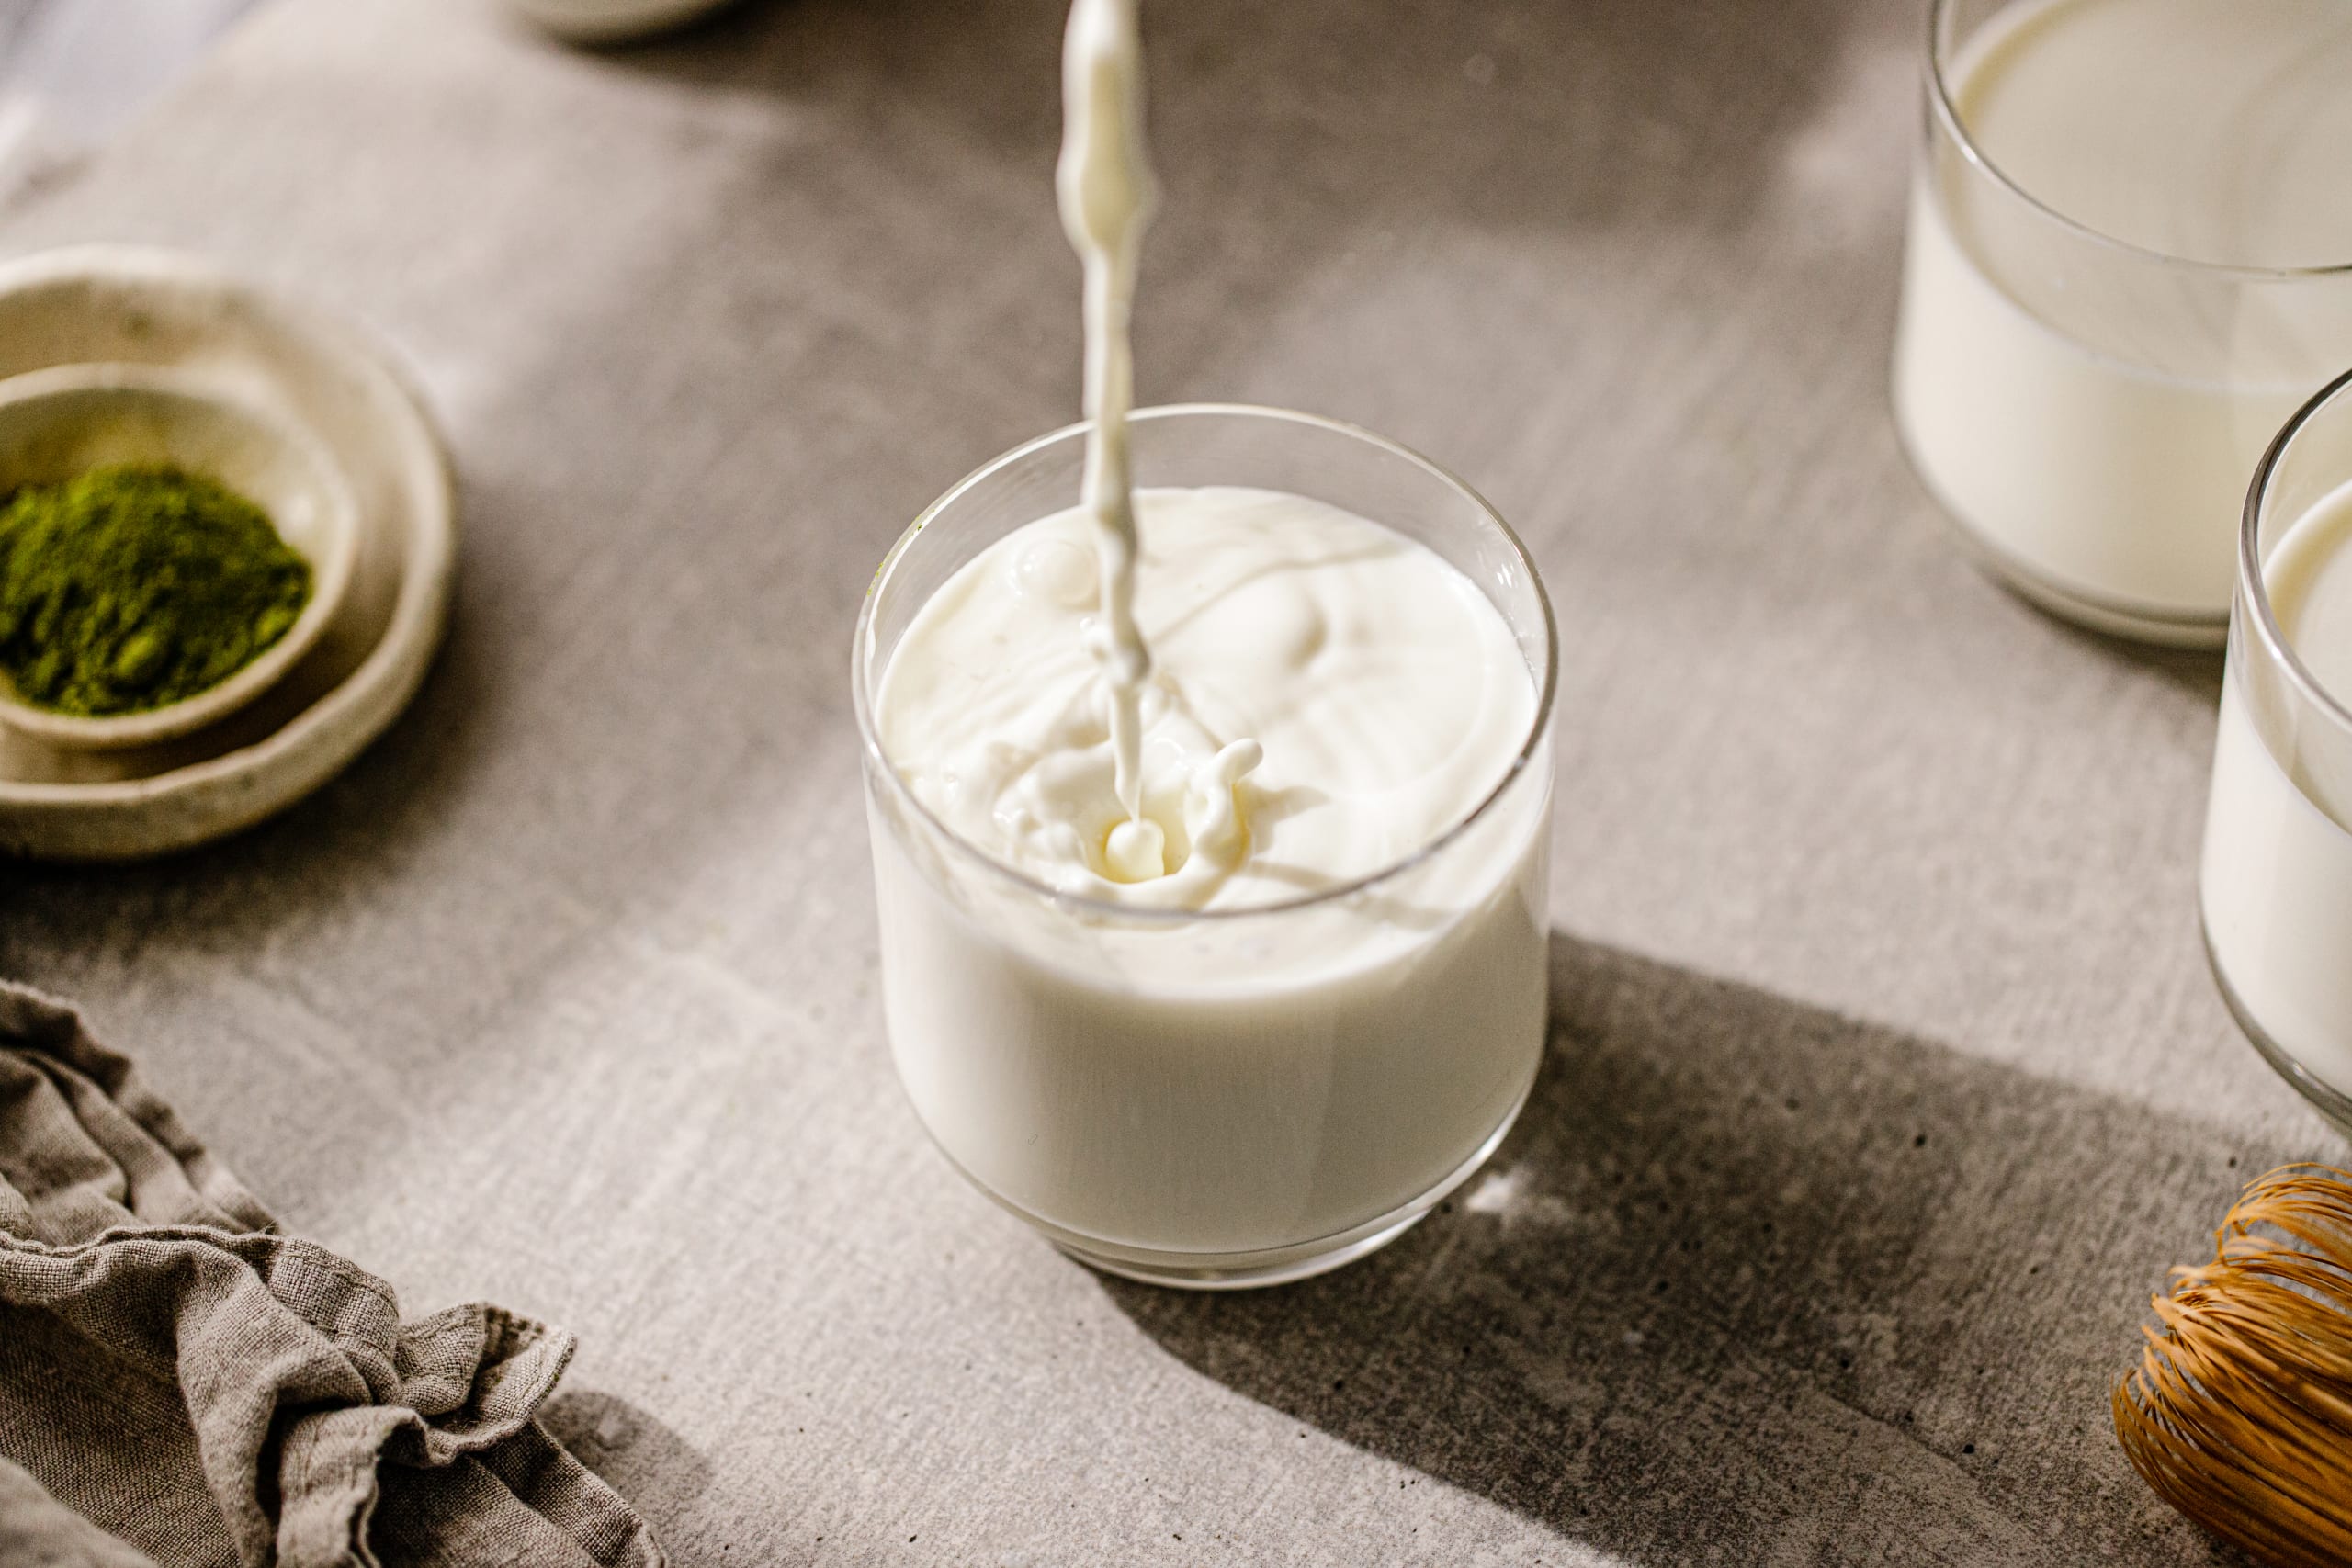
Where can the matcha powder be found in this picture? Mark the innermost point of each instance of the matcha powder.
(130, 588)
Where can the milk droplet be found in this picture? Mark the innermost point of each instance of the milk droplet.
(1136, 851)
(1056, 571)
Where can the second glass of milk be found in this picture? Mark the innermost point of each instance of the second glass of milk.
(2278, 873)
(1220, 1097)
(2130, 260)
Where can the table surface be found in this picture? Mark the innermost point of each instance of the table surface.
(1886, 1078)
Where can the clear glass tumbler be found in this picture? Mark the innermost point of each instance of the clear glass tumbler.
(2276, 884)
(2084, 410)
(1223, 1097)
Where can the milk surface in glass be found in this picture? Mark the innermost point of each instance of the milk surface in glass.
(2278, 870)
(2087, 373)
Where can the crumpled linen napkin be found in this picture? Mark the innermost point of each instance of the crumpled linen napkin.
(181, 1384)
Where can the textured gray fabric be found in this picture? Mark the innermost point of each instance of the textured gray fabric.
(1854, 848)
(214, 1391)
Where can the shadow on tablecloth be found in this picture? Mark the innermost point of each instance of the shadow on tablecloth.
(628, 1450)
(1752, 1282)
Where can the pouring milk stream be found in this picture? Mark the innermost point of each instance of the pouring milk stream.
(1105, 188)
(1321, 672)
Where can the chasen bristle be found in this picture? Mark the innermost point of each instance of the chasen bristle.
(2240, 1412)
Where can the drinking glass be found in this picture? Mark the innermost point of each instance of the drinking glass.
(2086, 410)
(1226, 1097)
(2277, 879)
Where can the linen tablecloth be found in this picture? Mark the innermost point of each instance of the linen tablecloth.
(1886, 1078)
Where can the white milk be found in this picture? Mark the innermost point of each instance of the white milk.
(2092, 416)
(1327, 698)
(1172, 709)
(2278, 870)
(1332, 697)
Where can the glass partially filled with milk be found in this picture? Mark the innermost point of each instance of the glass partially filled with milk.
(1251, 1012)
(2277, 872)
(2129, 261)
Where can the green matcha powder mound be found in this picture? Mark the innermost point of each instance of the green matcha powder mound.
(132, 587)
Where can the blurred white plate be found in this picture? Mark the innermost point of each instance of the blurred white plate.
(612, 21)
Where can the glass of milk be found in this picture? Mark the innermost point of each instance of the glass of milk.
(2278, 870)
(1221, 1096)
(2130, 260)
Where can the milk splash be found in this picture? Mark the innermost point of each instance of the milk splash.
(1106, 191)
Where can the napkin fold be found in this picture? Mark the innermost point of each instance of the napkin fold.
(182, 1384)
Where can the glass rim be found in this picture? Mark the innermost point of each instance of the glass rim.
(870, 741)
(2252, 586)
(1947, 113)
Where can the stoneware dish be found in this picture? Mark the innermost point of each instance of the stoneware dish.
(203, 329)
(65, 421)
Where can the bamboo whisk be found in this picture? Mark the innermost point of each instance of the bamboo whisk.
(2240, 1412)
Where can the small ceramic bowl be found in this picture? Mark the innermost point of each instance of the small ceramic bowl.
(64, 421)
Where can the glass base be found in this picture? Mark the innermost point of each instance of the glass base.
(1247, 1270)
(2204, 631)
(2203, 634)
(1273, 1266)
(2329, 1102)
